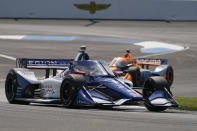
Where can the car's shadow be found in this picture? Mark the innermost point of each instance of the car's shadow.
(130, 108)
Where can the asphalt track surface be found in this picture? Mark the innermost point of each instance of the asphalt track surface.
(41, 117)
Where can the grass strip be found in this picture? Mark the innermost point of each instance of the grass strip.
(187, 103)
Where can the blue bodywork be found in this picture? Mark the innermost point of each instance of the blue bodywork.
(162, 98)
(159, 71)
(22, 84)
(101, 89)
(106, 88)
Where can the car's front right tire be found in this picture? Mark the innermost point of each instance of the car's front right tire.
(11, 85)
(151, 85)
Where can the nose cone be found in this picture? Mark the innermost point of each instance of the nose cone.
(121, 90)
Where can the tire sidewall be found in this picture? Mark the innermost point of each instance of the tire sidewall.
(170, 75)
(155, 109)
(151, 85)
(135, 73)
(67, 85)
(11, 95)
(71, 83)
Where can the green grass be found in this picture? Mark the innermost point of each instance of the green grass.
(187, 103)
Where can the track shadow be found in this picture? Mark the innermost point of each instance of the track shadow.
(93, 22)
(131, 108)
(116, 108)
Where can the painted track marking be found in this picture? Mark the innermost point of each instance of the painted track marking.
(148, 46)
(156, 48)
(7, 57)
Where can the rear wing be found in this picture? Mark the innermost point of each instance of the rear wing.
(46, 64)
(150, 62)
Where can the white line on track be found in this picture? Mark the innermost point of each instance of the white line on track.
(2, 80)
(12, 37)
(7, 57)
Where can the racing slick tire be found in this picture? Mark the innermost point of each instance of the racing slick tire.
(169, 75)
(151, 85)
(11, 85)
(135, 73)
(70, 85)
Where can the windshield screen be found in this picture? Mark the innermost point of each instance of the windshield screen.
(119, 63)
(92, 68)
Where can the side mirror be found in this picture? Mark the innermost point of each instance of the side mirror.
(118, 73)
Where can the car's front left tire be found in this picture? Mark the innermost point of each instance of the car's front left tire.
(70, 85)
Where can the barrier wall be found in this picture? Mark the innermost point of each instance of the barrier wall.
(100, 9)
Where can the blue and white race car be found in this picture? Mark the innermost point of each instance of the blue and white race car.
(81, 83)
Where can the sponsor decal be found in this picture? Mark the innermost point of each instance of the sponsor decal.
(40, 62)
(144, 60)
(48, 89)
(92, 7)
(133, 94)
(83, 102)
(27, 73)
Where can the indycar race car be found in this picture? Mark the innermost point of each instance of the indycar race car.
(81, 83)
(138, 70)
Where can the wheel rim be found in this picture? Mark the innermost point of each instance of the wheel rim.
(66, 93)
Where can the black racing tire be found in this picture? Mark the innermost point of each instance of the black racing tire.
(106, 107)
(11, 85)
(135, 73)
(155, 109)
(151, 85)
(170, 75)
(70, 85)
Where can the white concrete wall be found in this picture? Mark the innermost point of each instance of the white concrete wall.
(118, 9)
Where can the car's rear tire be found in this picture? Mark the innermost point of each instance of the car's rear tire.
(151, 85)
(170, 75)
(135, 73)
(11, 85)
(70, 85)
